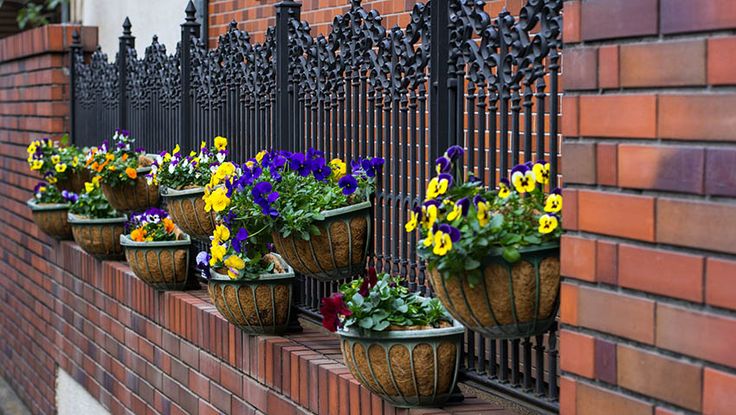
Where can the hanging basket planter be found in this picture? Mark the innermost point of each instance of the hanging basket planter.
(51, 218)
(74, 181)
(406, 366)
(134, 196)
(99, 237)
(164, 265)
(259, 306)
(512, 300)
(186, 209)
(338, 252)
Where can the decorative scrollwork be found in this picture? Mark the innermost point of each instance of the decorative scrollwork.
(97, 80)
(156, 72)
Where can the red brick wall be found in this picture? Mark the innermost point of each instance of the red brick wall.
(255, 16)
(649, 298)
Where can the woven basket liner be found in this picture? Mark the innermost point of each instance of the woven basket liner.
(186, 209)
(52, 219)
(99, 237)
(339, 251)
(419, 368)
(137, 196)
(512, 300)
(163, 265)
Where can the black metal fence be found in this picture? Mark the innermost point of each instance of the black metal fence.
(454, 75)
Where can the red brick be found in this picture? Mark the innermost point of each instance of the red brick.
(697, 117)
(605, 361)
(578, 258)
(571, 22)
(570, 209)
(606, 163)
(719, 392)
(673, 168)
(569, 304)
(721, 66)
(628, 116)
(581, 169)
(577, 353)
(592, 400)
(608, 66)
(696, 224)
(653, 374)
(641, 64)
(661, 272)
(679, 16)
(568, 396)
(616, 214)
(606, 263)
(616, 313)
(720, 176)
(720, 283)
(569, 109)
(601, 19)
(581, 68)
(682, 330)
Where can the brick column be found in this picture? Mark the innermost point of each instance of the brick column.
(649, 156)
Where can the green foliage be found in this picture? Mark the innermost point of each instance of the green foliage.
(53, 159)
(115, 163)
(37, 14)
(93, 205)
(388, 303)
(176, 171)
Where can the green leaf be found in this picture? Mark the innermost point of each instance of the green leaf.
(357, 299)
(511, 254)
(382, 325)
(366, 323)
(471, 264)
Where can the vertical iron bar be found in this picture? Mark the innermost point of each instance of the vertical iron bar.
(189, 29)
(125, 41)
(439, 131)
(285, 11)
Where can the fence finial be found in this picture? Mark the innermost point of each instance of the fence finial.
(191, 12)
(127, 26)
(76, 39)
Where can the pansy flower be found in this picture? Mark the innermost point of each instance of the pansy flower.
(439, 185)
(430, 209)
(455, 152)
(216, 200)
(504, 188)
(203, 259)
(220, 234)
(541, 171)
(459, 208)
(553, 203)
(547, 223)
(348, 184)
(443, 239)
(368, 282)
(413, 221)
(332, 308)
(220, 143)
(443, 165)
(299, 163)
(339, 168)
(239, 241)
(523, 178)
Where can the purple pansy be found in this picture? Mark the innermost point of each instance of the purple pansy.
(348, 184)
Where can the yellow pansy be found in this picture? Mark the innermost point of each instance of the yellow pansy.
(541, 172)
(221, 233)
(60, 168)
(192, 153)
(504, 190)
(339, 168)
(234, 264)
(96, 180)
(547, 223)
(442, 243)
(429, 216)
(484, 213)
(216, 200)
(261, 154)
(176, 150)
(32, 148)
(429, 240)
(109, 157)
(89, 187)
(36, 164)
(225, 169)
(553, 204)
(167, 157)
(217, 253)
(220, 143)
(438, 185)
(413, 221)
(456, 211)
(55, 159)
(523, 178)
(75, 161)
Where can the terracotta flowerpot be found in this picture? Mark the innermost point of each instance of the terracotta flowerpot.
(406, 367)
(135, 195)
(99, 237)
(164, 265)
(512, 300)
(74, 181)
(51, 218)
(339, 251)
(186, 209)
(260, 306)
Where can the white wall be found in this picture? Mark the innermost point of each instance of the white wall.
(148, 17)
(73, 399)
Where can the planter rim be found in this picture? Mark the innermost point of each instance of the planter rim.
(76, 220)
(35, 206)
(346, 209)
(126, 241)
(456, 328)
(168, 191)
(289, 274)
(496, 252)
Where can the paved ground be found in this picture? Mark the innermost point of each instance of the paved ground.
(9, 402)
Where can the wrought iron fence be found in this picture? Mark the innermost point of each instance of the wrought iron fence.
(453, 75)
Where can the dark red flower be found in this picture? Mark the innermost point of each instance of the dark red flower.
(369, 281)
(331, 308)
